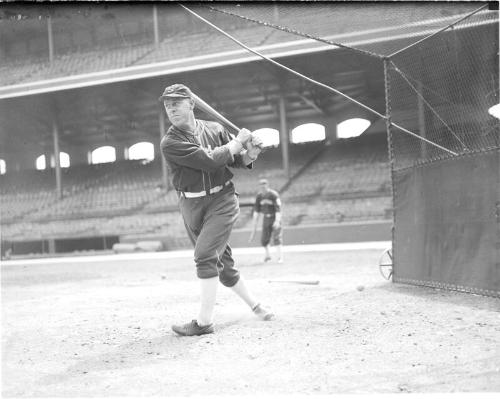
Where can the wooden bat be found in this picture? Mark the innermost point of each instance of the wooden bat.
(306, 282)
(209, 110)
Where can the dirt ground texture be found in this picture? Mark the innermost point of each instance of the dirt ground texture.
(103, 329)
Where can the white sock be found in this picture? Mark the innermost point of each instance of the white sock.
(240, 288)
(208, 293)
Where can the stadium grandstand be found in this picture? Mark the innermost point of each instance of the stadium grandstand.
(80, 83)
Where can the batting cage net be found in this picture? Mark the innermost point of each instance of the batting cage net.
(441, 74)
(438, 72)
(442, 89)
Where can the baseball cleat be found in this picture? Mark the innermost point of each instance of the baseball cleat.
(262, 313)
(193, 328)
(280, 260)
(267, 259)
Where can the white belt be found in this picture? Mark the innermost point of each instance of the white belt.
(213, 190)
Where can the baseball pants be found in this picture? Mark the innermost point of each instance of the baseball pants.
(269, 233)
(209, 221)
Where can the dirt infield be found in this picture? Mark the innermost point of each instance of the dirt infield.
(103, 329)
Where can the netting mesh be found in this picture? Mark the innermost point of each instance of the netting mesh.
(442, 90)
(367, 29)
(442, 60)
(326, 68)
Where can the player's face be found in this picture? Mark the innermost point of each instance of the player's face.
(263, 187)
(179, 110)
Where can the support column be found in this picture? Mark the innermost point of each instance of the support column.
(330, 124)
(284, 137)
(155, 26)
(55, 135)
(120, 151)
(164, 171)
(50, 39)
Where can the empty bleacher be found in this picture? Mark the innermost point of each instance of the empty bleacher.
(347, 181)
(350, 167)
(123, 187)
(141, 51)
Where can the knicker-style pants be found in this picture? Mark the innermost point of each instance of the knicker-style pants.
(269, 232)
(209, 221)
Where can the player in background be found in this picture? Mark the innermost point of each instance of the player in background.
(268, 204)
(198, 155)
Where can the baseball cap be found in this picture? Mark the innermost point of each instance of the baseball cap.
(176, 90)
(263, 181)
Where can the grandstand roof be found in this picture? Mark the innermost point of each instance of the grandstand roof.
(106, 91)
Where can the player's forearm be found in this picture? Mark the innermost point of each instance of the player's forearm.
(277, 217)
(235, 146)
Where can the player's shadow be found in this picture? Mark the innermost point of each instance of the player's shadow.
(142, 350)
(442, 295)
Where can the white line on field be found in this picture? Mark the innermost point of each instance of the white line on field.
(349, 246)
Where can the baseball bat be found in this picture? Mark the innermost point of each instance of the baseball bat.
(306, 282)
(209, 110)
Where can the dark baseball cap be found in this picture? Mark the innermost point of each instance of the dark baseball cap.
(177, 90)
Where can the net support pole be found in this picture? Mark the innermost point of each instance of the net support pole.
(390, 147)
(421, 122)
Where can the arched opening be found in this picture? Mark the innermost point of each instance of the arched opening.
(308, 132)
(143, 150)
(352, 128)
(3, 167)
(495, 111)
(63, 160)
(103, 155)
(270, 137)
(41, 163)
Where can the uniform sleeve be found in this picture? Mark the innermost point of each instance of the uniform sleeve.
(194, 156)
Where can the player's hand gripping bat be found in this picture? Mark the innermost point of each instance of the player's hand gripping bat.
(209, 110)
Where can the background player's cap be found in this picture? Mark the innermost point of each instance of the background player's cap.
(263, 181)
(177, 90)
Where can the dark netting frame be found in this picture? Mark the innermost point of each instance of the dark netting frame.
(447, 206)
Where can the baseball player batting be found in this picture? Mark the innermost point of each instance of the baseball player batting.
(198, 155)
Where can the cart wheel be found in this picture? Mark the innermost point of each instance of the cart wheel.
(385, 264)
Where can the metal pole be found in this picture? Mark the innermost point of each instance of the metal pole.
(55, 135)
(284, 136)
(390, 151)
(164, 171)
(421, 122)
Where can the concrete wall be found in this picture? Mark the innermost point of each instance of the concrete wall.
(297, 235)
